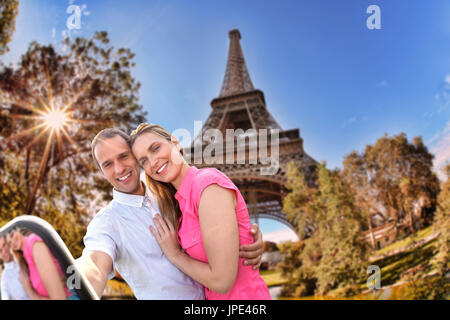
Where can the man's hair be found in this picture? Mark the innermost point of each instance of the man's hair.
(106, 134)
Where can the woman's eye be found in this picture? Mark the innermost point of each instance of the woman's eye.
(156, 148)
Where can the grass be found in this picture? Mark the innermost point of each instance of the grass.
(273, 278)
(401, 292)
(392, 268)
(418, 236)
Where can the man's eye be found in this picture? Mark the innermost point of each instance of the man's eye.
(143, 162)
(156, 148)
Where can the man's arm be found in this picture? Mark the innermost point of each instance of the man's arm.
(96, 266)
(253, 252)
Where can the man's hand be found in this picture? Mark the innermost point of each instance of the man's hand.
(253, 252)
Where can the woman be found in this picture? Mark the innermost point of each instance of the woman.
(41, 275)
(212, 224)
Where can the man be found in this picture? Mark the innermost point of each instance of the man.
(118, 237)
(11, 287)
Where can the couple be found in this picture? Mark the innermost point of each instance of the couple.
(139, 233)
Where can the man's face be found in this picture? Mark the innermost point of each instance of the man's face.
(5, 254)
(118, 165)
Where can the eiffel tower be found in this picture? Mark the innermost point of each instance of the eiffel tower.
(241, 106)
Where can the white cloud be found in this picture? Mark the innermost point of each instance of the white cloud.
(433, 138)
(348, 122)
(280, 236)
(440, 147)
(447, 79)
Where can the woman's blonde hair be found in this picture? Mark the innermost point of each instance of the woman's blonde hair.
(165, 192)
(18, 254)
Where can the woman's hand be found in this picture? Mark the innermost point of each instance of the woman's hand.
(26, 284)
(25, 280)
(167, 237)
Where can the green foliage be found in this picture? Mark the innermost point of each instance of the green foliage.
(8, 12)
(332, 253)
(439, 265)
(300, 277)
(394, 179)
(12, 188)
(442, 226)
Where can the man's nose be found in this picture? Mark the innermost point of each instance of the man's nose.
(118, 167)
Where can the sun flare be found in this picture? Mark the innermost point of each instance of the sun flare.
(55, 119)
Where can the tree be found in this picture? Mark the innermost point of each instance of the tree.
(344, 252)
(441, 225)
(332, 254)
(12, 187)
(8, 12)
(93, 87)
(431, 281)
(394, 180)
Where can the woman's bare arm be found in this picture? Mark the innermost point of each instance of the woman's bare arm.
(48, 272)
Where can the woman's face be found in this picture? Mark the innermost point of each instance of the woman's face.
(160, 158)
(15, 240)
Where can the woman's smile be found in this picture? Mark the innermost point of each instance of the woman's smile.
(163, 168)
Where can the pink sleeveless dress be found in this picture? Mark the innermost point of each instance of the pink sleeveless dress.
(35, 279)
(248, 285)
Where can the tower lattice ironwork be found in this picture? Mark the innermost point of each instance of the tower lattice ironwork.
(241, 106)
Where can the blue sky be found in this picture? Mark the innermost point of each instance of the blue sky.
(321, 69)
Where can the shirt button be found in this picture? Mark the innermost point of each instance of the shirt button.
(194, 238)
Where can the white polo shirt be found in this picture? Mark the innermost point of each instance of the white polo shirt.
(11, 288)
(121, 230)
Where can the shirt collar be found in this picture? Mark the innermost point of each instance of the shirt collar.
(128, 199)
(185, 186)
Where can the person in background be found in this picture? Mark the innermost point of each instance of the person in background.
(40, 273)
(11, 288)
